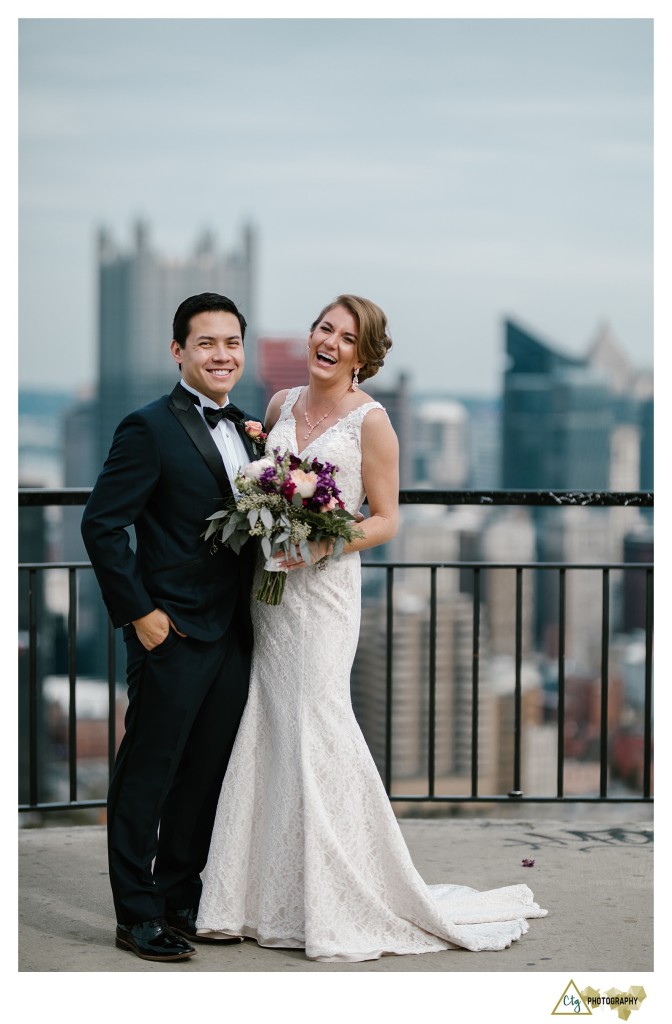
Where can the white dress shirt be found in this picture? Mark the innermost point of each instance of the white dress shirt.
(225, 436)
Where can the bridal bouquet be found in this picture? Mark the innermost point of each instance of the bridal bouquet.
(286, 502)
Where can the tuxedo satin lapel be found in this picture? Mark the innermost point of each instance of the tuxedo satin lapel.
(184, 409)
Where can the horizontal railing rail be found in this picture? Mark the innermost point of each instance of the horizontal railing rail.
(68, 497)
(45, 496)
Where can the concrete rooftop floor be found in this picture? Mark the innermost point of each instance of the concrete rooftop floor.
(593, 871)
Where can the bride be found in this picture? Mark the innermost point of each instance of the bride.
(306, 851)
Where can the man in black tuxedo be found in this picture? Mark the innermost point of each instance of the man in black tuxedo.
(186, 624)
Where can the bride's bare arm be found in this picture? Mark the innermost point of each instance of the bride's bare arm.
(380, 474)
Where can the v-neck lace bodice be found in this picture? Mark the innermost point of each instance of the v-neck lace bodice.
(340, 444)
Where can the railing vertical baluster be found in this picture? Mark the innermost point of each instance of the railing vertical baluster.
(431, 759)
(562, 622)
(33, 696)
(604, 687)
(475, 664)
(517, 790)
(648, 685)
(389, 626)
(72, 680)
(111, 696)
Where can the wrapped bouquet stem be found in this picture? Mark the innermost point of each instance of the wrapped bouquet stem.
(287, 503)
(272, 586)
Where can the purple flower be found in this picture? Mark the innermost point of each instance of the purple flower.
(268, 480)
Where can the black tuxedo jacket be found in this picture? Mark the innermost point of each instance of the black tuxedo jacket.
(164, 476)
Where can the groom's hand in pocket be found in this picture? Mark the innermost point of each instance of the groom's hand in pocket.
(152, 629)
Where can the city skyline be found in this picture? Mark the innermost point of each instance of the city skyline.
(458, 172)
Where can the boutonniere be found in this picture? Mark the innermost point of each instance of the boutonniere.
(254, 431)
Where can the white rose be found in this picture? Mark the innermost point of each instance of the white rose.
(305, 483)
(254, 470)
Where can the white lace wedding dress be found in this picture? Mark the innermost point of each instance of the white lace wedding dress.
(306, 851)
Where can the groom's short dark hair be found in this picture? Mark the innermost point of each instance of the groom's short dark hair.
(206, 302)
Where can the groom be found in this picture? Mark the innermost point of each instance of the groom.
(186, 624)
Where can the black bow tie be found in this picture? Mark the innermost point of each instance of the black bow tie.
(229, 412)
(213, 416)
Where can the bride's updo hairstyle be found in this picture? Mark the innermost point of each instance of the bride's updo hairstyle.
(373, 341)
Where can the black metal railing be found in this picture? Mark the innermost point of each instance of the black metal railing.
(516, 789)
(64, 497)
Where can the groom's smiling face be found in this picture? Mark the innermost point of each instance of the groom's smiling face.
(213, 358)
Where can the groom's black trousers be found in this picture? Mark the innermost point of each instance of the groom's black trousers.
(186, 698)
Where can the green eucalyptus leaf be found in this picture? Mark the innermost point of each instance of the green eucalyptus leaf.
(236, 542)
(227, 531)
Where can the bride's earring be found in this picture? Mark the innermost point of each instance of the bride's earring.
(355, 380)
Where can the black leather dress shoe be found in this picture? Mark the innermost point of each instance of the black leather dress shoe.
(183, 922)
(153, 940)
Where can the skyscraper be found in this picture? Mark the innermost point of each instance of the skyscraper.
(574, 423)
(577, 424)
(139, 291)
(558, 414)
(441, 445)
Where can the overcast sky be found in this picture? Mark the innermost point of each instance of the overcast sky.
(455, 171)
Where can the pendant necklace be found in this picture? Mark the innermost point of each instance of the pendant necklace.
(313, 426)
